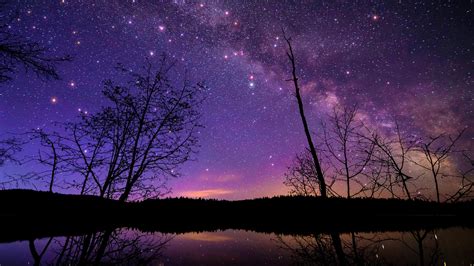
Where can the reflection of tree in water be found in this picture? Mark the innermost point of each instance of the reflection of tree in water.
(316, 249)
(112, 247)
(359, 249)
(426, 246)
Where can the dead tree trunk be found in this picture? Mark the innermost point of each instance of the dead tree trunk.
(312, 149)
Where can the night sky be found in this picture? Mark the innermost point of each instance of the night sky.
(409, 60)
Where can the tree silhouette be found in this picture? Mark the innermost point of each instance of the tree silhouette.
(438, 151)
(374, 163)
(465, 178)
(347, 148)
(312, 149)
(8, 148)
(147, 129)
(110, 247)
(17, 52)
(393, 154)
(301, 177)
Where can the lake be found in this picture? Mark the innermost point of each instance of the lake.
(449, 246)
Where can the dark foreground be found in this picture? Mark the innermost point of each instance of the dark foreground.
(26, 214)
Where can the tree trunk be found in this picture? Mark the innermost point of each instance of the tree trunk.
(319, 172)
(341, 257)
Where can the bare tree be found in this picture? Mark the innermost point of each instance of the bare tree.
(8, 148)
(18, 52)
(400, 156)
(38, 256)
(49, 161)
(49, 158)
(132, 145)
(348, 150)
(423, 243)
(316, 249)
(437, 150)
(111, 247)
(465, 178)
(312, 149)
(392, 154)
(301, 177)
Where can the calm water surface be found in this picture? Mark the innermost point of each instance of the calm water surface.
(453, 246)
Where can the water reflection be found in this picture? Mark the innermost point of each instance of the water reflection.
(453, 246)
(420, 247)
(119, 246)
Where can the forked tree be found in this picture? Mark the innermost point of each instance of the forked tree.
(347, 149)
(441, 155)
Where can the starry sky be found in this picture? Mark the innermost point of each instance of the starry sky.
(409, 60)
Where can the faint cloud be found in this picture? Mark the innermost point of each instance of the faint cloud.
(308, 87)
(206, 237)
(434, 114)
(207, 193)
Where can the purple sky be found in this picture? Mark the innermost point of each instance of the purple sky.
(411, 60)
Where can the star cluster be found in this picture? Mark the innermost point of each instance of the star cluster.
(411, 60)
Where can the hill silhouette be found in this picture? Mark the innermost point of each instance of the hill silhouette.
(27, 214)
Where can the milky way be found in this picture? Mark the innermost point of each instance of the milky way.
(407, 60)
